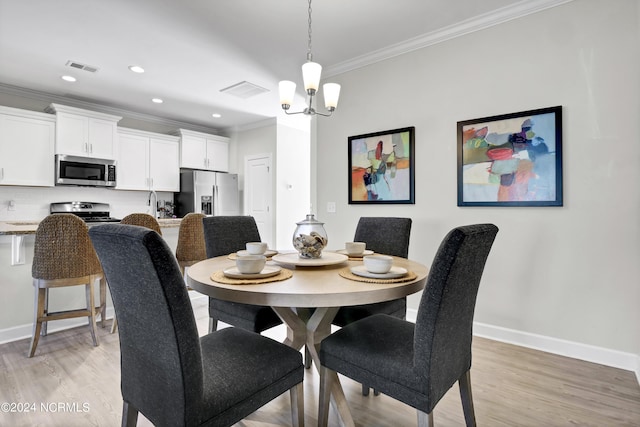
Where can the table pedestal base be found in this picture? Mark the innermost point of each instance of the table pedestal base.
(310, 333)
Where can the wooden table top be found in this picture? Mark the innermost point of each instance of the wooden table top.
(309, 287)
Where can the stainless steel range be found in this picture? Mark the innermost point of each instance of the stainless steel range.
(90, 212)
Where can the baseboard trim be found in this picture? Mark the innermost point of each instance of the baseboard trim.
(575, 350)
(21, 332)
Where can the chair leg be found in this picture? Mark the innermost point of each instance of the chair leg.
(43, 331)
(297, 405)
(464, 382)
(365, 390)
(129, 415)
(325, 396)
(213, 324)
(424, 419)
(307, 358)
(37, 319)
(114, 325)
(92, 312)
(103, 301)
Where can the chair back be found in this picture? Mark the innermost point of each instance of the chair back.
(224, 235)
(443, 331)
(191, 248)
(159, 344)
(385, 235)
(142, 220)
(62, 249)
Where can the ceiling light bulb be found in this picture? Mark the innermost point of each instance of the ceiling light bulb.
(157, 100)
(68, 78)
(216, 115)
(136, 69)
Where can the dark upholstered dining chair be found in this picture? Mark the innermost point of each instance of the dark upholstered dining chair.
(141, 220)
(224, 235)
(383, 235)
(168, 373)
(417, 364)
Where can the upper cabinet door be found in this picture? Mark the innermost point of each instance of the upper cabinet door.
(218, 155)
(132, 169)
(193, 152)
(164, 165)
(102, 138)
(26, 148)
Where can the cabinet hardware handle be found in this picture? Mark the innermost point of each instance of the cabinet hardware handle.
(1, 173)
(86, 147)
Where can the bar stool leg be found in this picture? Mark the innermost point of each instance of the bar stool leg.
(37, 319)
(103, 301)
(92, 312)
(46, 310)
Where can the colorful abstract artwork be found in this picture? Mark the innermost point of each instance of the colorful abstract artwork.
(511, 160)
(381, 167)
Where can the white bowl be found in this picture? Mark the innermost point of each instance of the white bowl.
(355, 248)
(250, 264)
(379, 264)
(256, 248)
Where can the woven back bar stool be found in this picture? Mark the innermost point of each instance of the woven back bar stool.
(64, 256)
(191, 247)
(142, 220)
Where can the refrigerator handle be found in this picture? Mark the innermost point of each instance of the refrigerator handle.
(214, 201)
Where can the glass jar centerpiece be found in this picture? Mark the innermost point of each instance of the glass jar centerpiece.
(310, 238)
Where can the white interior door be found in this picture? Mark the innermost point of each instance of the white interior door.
(258, 194)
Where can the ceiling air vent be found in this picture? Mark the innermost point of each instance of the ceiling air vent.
(244, 90)
(79, 66)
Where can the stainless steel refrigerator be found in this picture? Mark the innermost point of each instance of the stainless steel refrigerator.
(210, 193)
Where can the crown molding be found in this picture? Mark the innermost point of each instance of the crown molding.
(481, 22)
(106, 109)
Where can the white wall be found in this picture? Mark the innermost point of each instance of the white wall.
(569, 273)
(292, 183)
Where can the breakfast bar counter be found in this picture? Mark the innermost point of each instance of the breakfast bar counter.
(18, 227)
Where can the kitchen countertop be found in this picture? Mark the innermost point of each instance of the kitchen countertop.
(29, 227)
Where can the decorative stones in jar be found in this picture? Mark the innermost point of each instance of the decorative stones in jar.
(310, 238)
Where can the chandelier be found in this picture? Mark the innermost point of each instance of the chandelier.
(311, 76)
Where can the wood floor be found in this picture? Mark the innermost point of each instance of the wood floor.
(71, 383)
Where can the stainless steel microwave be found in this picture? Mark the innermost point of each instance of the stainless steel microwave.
(73, 170)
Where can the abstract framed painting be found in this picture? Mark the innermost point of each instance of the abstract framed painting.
(511, 160)
(381, 167)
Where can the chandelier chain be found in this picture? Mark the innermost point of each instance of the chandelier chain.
(309, 45)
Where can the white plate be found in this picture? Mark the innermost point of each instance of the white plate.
(267, 271)
(394, 273)
(268, 253)
(327, 258)
(365, 253)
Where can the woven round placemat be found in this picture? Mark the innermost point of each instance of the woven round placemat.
(219, 277)
(347, 274)
(234, 256)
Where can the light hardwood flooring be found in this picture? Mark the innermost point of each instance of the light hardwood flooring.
(512, 386)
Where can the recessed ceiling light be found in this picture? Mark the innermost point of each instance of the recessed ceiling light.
(68, 78)
(136, 68)
(157, 100)
(216, 115)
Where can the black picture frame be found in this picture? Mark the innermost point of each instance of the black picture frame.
(511, 159)
(381, 167)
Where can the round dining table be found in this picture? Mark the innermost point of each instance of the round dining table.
(308, 301)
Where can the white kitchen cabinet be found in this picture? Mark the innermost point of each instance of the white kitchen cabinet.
(203, 151)
(147, 161)
(26, 148)
(85, 133)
